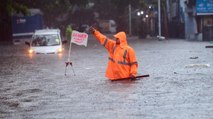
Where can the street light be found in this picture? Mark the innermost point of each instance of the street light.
(130, 19)
(138, 13)
(159, 23)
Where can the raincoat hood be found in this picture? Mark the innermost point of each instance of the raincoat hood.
(122, 37)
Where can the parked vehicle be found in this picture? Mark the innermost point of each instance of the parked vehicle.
(83, 28)
(108, 26)
(46, 41)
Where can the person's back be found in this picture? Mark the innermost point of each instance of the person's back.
(122, 61)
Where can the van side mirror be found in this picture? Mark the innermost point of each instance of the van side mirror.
(65, 41)
(27, 43)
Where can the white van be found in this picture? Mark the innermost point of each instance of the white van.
(46, 41)
(108, 26)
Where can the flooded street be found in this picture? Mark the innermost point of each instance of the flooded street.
(180, 85)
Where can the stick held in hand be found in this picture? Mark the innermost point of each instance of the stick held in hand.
(135, 78)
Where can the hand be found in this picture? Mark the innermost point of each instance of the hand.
(132, 77)
(92, 29)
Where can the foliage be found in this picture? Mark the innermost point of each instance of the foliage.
(8, 7)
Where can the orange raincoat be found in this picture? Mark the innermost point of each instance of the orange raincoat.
(122, 61)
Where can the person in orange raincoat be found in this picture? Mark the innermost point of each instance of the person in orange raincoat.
(122, 61)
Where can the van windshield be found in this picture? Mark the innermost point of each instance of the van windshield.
(46, 40)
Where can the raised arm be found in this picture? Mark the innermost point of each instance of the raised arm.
(106, 42)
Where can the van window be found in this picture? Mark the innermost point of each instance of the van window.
(46, 40)
(113, 25)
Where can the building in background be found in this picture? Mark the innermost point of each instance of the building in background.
(198, 16)
(176, 20)
(204, 13)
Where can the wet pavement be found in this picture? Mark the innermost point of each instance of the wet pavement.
(180, 85)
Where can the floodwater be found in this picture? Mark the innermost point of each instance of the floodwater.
(35, 87)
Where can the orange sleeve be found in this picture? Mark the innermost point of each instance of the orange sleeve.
(106, 42)
(133, 62)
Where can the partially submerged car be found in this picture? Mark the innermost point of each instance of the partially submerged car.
(46, 41)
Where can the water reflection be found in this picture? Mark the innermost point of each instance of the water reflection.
(30, 55)
(60, 56)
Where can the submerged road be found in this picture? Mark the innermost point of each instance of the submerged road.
(180, 85)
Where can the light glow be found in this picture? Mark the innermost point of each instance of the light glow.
(60, 50)
(30, 51)
(138, 13)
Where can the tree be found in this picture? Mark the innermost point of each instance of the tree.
(116, 10)
(57, 13)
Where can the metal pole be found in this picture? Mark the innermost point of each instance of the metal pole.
(69, 61)
(130, 20)
(69, 51)
(159, 19)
